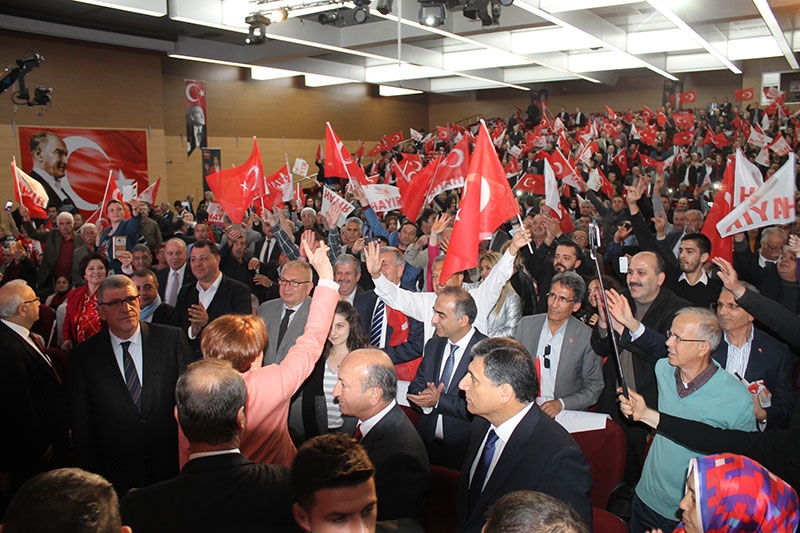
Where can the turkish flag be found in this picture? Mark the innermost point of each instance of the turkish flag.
(586, 152)
(689, 97)
(743, 95)
(338, 161)
(393, 139)
(648, 137)
(532, 183)
(611, 114)
(318, 155)
(606, 186)
(442, 133)
(512, 167)
(621, 160)
(560, 165)
(453, 170)
(723, 204)
(412, 195)
(29, 192)
(498, 133)
(553, 201)
(455, 131)
(628, 116)
(486, 203)
(661, 119)
(409, 166)
(610, 130)
(360, 150)
(684, 120)
(647, 114)
(683, 138)
(234, 188)
(647, 161)
(563, 143)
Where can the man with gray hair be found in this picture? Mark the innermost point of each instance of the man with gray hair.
(691, 385)
(347, 273)
(219, 488)
(33, 402)
(570, 372)
(59, 248)
(122, 386)
(366, 389)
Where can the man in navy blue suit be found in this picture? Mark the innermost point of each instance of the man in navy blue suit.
(445, 421)
(513, 444)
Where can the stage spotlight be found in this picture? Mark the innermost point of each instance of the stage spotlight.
(361, 14)
(257, 33)
(384, 7)
(328, 17)
(432, 14)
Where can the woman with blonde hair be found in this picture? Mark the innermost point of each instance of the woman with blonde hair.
(504, 316)
(241, 339)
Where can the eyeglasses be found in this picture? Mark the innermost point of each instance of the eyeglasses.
(291, 282)
(546, 357)
(678, 338)
(560, 299)
(130, 300)
(717, 306)
(31, 301)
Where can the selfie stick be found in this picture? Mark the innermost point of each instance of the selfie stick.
(594, 245)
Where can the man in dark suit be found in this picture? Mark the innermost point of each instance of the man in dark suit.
(153, 309)
(267, 253)
(535, 453)
(33, 403)
(445, 422)
(286, 317)
(219, 489)
(122, 392)
(49, 153)
(212, 296)
(178, 274)
(570, 373)
(580, 118)
(767, 360)
(366, 389)
(401, 337)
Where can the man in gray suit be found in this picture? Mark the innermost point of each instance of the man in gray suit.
(570, 372)
(286, 318)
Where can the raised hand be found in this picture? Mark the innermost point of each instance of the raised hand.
(372, 258)
(318, 258)
(621, 314)
(332, 216)
(729, 277)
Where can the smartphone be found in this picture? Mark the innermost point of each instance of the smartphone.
(120, 245)
(8, 205)
(370, 240)
(623, 265)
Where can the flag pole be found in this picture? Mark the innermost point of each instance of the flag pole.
(522, 228)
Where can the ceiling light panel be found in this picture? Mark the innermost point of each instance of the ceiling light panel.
(395, 72)
(754, 48)
(480, 59)
(388, 90)
(601, 61)
(316, 80)
(153, 8)
(268, 73)
(551, 40)
(653, 42)
(692, 63)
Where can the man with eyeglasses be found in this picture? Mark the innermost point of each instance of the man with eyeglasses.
(570, 372)
(33, 400)
(286, 317)
(690, 385)
(122, 392)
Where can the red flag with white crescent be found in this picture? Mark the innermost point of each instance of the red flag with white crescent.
(338, 161)
(194, 92)
(235, 188)
(29, 192)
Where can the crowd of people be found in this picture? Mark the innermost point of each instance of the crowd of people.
(291, 372)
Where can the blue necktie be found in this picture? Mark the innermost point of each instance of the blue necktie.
(131, 376)
(479, 477)
(447, 372)
(376, 329)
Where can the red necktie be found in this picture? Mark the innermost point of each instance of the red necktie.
(357, 435)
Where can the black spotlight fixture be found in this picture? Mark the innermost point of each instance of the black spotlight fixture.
(484, 10)
(328, 17)
(361, 12)
(257, 33)
(384, 7)
(432, 14)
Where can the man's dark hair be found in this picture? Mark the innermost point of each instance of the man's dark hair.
(575, 248)
(68, 500)
(465, 304)
(703, 242)
(199, 245)
(178, 224)
(572, 281)
(328, 462)
(661, 266)
(208, 397)
(526, 511)
(425, 215)
(507, 361)
(139, 247)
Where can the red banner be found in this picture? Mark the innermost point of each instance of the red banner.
(81, 174)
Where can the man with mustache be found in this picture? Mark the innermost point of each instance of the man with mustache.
(654, 306)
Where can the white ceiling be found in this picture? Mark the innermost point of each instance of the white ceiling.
(535, 41)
